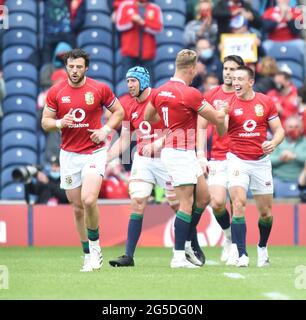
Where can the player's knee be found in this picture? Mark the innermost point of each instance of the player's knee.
(239, 204)
(266, 213)
(89, 201)
(140, 189)
(138, 205)
(203, 201)
(217, 204)
(78, 211)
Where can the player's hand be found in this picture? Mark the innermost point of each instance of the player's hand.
(223, 105)
(204, 165)
(99, 135)
(268, 147)
(67, 120)
(153, 148)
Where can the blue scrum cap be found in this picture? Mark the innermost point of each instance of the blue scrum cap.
(142, 75)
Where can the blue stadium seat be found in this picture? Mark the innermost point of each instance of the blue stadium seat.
(161, 82)
(285, 189)
(167, 53)
(172, 5)
(170, 36)
(164, 70)
(18, 70)
(107, 82)
(29, 6)
(17, 87)
(100, 70)
(295, 68)
(100, 53)
(18, 156)
(118, 73)
(17, 54)
(118, 57)
(97, 20)
(19, 138)
(14, 191)
(21, 20)
(285, 50)
(20, 104)
(297, 82)
(121, 88)
(174, 19)
(6, 176)
(94, 37)
(20, 121)
(98, 5)
(17, 37)
(41, 147)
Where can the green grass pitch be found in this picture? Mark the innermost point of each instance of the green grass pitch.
(53, 273)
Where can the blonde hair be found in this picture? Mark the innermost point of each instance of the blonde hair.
(185, 59)
(268, 66)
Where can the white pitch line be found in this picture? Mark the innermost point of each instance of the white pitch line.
(275, 296)
(233, 275)
(212, 263)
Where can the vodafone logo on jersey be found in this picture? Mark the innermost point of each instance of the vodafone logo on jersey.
(78, 115)
(249, 126)
(209, 231)
(145, 127)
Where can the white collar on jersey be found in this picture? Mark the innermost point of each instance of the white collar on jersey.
(177, 79)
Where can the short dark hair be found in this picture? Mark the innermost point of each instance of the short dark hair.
(234, 58)
(75, 54)
(249, 71)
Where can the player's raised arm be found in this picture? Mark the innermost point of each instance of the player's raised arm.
(117, 115)
(49, 122)
(211, 114)
(151, 114)
(278, 136)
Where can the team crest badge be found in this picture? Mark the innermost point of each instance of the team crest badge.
(259, 110)
(68, 179)
(89, 98)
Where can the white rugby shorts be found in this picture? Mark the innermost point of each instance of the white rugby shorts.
(74, 166)
(253, 174)
(182, 166)
(217, 173)
(149, 170)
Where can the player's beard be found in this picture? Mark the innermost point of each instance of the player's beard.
(80, 79)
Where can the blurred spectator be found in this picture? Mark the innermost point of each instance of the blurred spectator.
(208, 62)
(56, 63)
(302, 184)
(265, 72)
(302, 105)
(62, 21)
(115, 182)
(138, 22)
(2, 92)
(210, 81)
(47, 184)
(289, 157)
(224, 11)
(203, 26)
(284, 95)
(279, 22)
